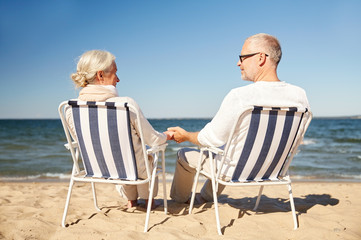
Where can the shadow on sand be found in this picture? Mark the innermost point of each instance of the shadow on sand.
(245, 206)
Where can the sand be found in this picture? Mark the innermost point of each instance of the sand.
(326, 210)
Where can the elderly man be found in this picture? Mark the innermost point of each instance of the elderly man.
(258, 62)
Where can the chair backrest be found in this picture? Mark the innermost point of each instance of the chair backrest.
(103, 131)
(270, 142)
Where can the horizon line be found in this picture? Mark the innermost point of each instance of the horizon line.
(172, 118)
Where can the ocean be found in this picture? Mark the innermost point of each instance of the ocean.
(33, 150)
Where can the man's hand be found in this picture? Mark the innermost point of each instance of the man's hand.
(181, 135)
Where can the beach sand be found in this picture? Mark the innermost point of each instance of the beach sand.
(326, 210)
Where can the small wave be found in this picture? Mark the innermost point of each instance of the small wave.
(332, 177)
(341, 151)
(349, 176)
(57, 175)
(308, 141)
(46, 176)
(176, 149)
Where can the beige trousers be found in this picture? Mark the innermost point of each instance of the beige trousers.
(184, 176)
(133, 192)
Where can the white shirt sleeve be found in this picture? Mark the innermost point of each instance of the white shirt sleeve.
(151, 136)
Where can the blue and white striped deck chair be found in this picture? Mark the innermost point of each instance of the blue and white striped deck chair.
(266, 139)
(104, 142)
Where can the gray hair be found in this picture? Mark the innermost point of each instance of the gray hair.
(268, 44)
(89, 64)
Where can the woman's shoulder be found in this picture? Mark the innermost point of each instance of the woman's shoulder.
(123, 100)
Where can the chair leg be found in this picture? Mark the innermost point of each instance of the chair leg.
(95, 197)
(164, 185)
(149, 207)
(258, 198)
(214, 190)
(67, 202)
(295, 222)
(194, 187)
(215, 198)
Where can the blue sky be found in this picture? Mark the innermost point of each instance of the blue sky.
(176, 58)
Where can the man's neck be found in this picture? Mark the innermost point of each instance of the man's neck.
(267, 75)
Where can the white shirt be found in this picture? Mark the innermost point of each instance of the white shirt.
(266, 94)
(270, 94)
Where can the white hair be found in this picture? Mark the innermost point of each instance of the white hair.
(89, 64)
(268, 44)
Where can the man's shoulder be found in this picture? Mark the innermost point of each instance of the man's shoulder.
(280, 84)
(261, 87)
(294, 87)
(242, 89)
(255, 89)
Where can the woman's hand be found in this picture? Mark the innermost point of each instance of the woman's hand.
(169, 135)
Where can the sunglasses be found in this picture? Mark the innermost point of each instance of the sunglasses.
(242, 57)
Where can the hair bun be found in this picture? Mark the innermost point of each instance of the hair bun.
(83, 74)
(80, 78)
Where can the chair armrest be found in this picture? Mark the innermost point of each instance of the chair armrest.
(73, 145)
(157, 148)
(213, 150)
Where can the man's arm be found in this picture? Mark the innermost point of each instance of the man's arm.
(181, 135)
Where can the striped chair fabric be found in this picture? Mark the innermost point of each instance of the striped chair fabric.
(266, 151)
(106, 149)
(104, 142)
(269, 140)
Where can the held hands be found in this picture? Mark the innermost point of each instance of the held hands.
(177, 134)
(170, 135)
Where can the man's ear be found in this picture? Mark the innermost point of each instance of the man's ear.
(262, 59)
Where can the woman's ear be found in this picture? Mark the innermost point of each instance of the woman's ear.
(100, 76)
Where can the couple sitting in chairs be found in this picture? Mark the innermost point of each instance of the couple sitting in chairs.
(251, 139)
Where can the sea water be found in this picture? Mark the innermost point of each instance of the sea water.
(33, 150)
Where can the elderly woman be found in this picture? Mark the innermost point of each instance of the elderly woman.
(96, 74)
